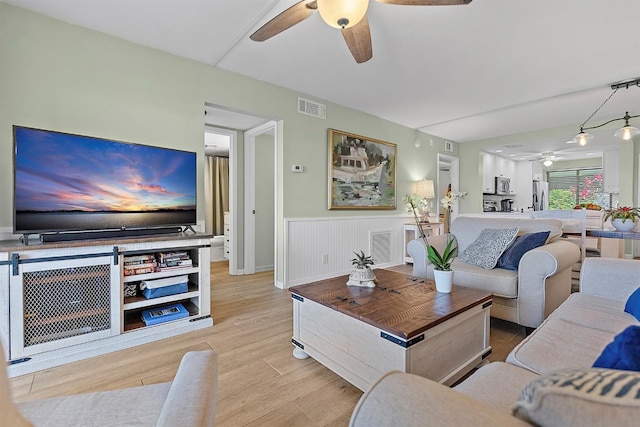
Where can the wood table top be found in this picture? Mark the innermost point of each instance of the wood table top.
(400, 304)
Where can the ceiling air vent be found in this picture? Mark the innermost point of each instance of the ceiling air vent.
(311, 108)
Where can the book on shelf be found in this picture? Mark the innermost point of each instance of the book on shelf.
(145, 257)
(136, 266)
(180, 263)
(136, 271)
(172, 256)
(139, 262)
(164, 314)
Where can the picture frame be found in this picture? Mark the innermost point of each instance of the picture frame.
(362, 172)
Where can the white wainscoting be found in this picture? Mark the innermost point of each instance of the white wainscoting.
(319, 248)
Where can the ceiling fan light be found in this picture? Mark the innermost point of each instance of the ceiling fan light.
(342, 13)
(583, 138)
(627, 132)
(547, 162)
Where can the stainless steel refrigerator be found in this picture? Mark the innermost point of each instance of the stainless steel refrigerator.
(540, 195)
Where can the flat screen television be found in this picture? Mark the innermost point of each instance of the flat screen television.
(65, 182)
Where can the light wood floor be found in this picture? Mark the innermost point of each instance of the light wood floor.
(260, 382)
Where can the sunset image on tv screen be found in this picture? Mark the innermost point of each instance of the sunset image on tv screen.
(65, 181)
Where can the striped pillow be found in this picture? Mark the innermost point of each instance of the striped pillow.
(581, 397)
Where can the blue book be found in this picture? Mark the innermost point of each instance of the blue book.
(164, 314)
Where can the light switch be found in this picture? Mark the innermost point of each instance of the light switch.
(297, 168)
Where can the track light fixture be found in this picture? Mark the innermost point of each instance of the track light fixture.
(626, 133)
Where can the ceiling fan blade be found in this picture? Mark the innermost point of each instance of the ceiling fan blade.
(287, 19)
(426, 2)
(358, 40)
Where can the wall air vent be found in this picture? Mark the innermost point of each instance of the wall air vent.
(312, 108)
(380, 244)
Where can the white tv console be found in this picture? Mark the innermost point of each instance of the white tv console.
(64, 301)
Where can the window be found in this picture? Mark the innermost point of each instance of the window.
(568, 188)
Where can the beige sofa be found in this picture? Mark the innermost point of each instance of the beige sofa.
(526, 296)
(546, 380)
(189, 400)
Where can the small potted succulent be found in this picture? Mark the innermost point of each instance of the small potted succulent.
(622, 218)
(361, 274)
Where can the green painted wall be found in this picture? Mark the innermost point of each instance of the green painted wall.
(62, 77)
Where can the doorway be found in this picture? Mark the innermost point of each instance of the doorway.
(260, 195)
(448, 174)
(219, 191)
(247, 133)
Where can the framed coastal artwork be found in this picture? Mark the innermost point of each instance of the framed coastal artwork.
(362, 172)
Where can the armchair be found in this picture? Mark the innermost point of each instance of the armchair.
(190, 400)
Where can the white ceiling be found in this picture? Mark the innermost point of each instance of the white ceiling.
(462, 73)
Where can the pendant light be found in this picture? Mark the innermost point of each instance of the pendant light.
(626, 133)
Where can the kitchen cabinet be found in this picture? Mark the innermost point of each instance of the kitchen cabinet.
(488, 173)
(510, 171)
(611, 171)
(492, 166)
(537, 173)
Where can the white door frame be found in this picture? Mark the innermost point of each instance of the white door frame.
(250, 193)
(455, 181)
(233, 185)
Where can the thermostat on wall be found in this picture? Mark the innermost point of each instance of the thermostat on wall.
(297, 168)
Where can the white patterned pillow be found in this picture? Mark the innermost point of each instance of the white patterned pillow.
(580, 397)
(488, 247)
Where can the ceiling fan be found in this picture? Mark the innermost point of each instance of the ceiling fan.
(347, 15)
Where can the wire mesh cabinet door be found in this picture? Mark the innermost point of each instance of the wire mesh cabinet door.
(63, 301)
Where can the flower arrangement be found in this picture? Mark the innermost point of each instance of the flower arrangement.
(451, 196)
(417, 205)
(442, 261)
(447, 202)
(623, 213)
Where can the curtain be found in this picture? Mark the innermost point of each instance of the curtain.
(216, 193)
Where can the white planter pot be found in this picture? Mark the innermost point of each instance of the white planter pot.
(628, 225)
(444, 280)
(362, 277)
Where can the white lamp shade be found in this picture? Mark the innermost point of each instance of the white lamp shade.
(424, 188)
(342, 13)
(583, 138)
(627, 133)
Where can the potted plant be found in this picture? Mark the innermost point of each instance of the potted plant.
(441, 262)
(361, 274)
(622, 218)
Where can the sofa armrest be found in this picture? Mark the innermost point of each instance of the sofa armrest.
(609, 277)
(193, 395)
(538, 297)
(409, 400)
(418, 252)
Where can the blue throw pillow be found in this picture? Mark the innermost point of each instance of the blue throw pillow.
(510, 259)
(623, 353)
(633, 304)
